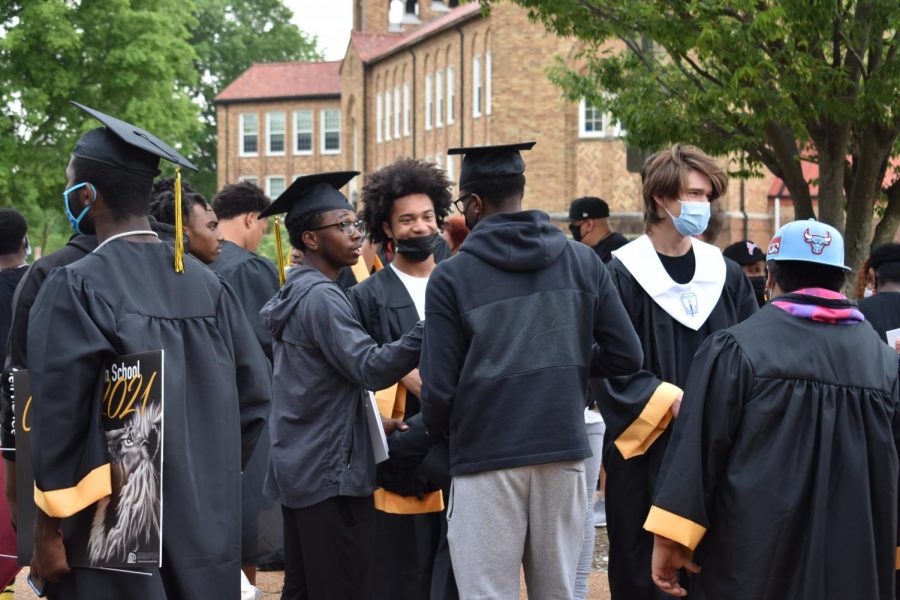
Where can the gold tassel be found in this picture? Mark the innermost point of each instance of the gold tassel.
(279, 251)
(179, 226)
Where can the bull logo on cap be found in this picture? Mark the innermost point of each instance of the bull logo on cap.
(817, 242)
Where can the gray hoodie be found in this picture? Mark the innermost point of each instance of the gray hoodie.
(324, 363)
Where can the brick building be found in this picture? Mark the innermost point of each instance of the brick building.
(443, 76)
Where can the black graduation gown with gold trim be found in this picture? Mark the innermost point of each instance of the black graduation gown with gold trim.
(782, 467)
(407, 544)
(122, 299)
(636, 407)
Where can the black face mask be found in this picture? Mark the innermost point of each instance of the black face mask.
(759, 288)
(418, 248)
(576, 231)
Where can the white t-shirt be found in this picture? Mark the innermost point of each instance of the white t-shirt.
(415, 287)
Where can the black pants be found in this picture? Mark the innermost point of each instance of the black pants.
(329, 550)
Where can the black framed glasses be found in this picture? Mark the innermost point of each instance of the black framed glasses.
(346, 227)
(460, 203)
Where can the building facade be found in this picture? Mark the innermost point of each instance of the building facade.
(445, 75)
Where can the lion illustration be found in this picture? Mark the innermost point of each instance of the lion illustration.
(131, 515)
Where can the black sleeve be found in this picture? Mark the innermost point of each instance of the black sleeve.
(255, 281)
(617, 349)
(744, 297)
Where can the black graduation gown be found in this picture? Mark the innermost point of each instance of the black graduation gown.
(668, 349)
(882, 311)
(785, 453)
(126, 298)
(411, 556)
(9, 281)
(255, 280)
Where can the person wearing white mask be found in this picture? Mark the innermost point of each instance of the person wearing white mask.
(677, 291)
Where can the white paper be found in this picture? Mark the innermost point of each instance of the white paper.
(376, 431)
(892, 336)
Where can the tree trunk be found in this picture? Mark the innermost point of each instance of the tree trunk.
(784, 147)
(890, 221)
(831, 146)
(868, 172)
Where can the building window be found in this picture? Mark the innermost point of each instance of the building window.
(429, 108)
(451, 95)
(274, 186)
(249, 179)
(303, 132)
(249, 134)
(439, 98)
(387, 116)
(439, 161)
(397, 112)
(379, 119)
(275, 133)
(451, 171)
(476, 86)
(331, 131)
(487, 83)
(594, 123)
(407, 113)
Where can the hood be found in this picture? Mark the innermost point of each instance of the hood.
(520, 241)
(278, 310)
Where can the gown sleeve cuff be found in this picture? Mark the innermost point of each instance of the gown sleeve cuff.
(898, 558)
(392, 503)
(676, 528)
(650, 424)
(66, 502)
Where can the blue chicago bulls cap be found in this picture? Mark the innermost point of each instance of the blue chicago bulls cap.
(808, 241)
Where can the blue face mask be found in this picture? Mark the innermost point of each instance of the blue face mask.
(74, 221)
(693, 219)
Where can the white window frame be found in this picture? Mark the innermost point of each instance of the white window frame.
(487, 83)
(297, 132)
(609, 129)
(379, 119)
(439, 98)
(439, 161)
(249, 179)
(241, 119)
(269, 151)
(387, 116)
(397, 112)
(407, 110)
(451, 95)
(324, 115)
(269, 179)
(429, 103)
(476, 86)
(450, 170)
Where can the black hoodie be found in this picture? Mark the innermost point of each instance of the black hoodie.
(511, 321)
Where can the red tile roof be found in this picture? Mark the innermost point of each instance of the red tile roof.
(284, 80)
(370, 45)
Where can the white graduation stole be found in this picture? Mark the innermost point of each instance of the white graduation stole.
(690, 303)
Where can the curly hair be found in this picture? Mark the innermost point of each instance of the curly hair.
(13, 228)
(237, 199)
(162, 200)
(404, 177)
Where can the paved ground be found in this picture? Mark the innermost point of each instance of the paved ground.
(270, 583)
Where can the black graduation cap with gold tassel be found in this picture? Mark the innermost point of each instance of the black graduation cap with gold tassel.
(131, 149)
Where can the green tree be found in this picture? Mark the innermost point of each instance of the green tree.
(131, 58)
(227, 38)
(772, 80)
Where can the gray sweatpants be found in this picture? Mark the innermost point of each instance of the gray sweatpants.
(527, 516)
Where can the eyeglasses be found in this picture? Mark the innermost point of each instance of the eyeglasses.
(460, 203)
(346, 227)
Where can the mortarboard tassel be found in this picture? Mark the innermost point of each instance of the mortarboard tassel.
(279, 251)
(179, 226)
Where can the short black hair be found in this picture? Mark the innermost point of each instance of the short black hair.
(126, 194)
(295, 229)
(13, 228)
(885, 261)
(404, 177)
(236, 199)
(792, 275)
(496, 190)
(162, 200)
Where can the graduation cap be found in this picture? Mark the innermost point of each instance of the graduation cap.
(131, 149)
(483, 162)
(305, 198)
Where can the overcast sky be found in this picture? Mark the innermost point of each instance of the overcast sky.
(329, 20)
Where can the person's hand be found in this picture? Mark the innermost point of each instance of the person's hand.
(392, 425)
(413, 383)
(48, 559)
(676, 406)
(668, 557)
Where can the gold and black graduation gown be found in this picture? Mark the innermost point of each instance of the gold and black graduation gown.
(636, 407)
(782, 467)
(126, 298)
